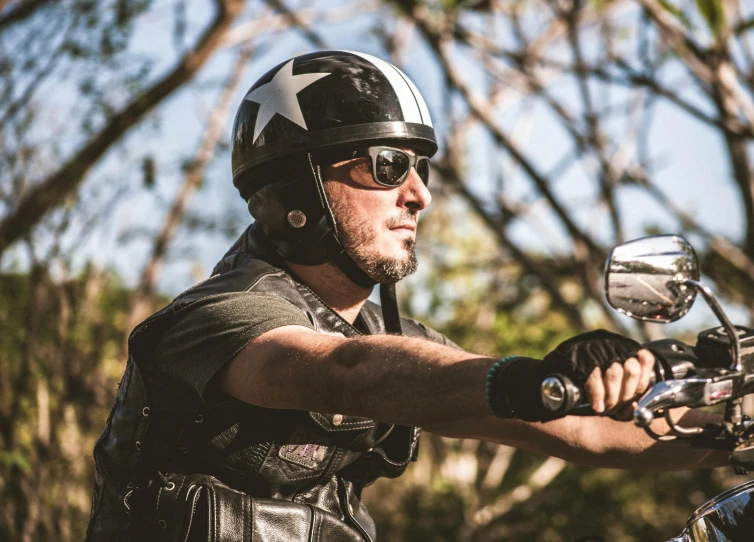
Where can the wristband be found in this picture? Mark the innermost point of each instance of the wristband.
(495, 400)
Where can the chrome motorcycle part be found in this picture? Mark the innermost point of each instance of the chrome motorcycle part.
(729, 517)
(559, 394)
(646, 278)
(735, 340)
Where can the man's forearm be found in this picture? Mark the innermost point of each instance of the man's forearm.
(402, 380)
(413, 381)
(597, 441)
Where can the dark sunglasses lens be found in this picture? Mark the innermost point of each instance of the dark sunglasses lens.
(391, 167)
(422, 168)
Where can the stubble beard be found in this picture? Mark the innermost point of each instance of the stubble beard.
(356, 235)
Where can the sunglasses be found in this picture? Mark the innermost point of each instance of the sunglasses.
(390, 166)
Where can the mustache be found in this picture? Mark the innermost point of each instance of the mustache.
(403, 217)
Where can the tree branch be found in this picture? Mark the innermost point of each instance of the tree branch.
(307, 32)
(530, 266)
(21, 11)
(481, 110)
(191, 181)
(55, 188)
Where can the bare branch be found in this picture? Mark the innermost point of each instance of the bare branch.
(55, 188)
(298, 23)
(21, 11)
(305, 17)
(191, 180)
(530, 266)
(482, 110)
(540, 478)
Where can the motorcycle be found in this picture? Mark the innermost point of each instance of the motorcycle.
(656, 279)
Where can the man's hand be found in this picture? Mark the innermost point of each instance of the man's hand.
(613, 390)
(514, 385)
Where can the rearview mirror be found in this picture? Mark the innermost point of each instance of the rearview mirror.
(645, 278)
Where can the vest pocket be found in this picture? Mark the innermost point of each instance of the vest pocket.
(200, 508)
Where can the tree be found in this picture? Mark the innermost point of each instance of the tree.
(553, 117)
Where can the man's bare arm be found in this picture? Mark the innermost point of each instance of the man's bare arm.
(412, 381)
(597, 441)
(402, 380)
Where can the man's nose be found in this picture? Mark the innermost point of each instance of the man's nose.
(414, 193)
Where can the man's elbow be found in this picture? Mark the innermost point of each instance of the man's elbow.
(349, 380)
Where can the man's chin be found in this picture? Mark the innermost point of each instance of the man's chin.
(390, 270)
(387, 267)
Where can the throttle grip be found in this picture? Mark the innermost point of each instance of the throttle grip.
(561, 396)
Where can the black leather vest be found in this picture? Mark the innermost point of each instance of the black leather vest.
(321, 460)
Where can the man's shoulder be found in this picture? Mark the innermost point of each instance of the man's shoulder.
(253, 275)
(372, 314)
(249, 285)
(414, 328)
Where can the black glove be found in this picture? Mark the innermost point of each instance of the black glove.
(514, 385)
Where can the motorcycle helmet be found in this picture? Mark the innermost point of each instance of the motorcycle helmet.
(293, 120)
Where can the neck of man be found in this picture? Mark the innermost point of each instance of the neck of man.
(330, 283)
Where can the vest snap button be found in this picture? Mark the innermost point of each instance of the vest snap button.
(297, 219)
(182, 450)
(337, 419)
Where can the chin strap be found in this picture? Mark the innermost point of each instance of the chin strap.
(331, 241)
(390, 309)
(337, 252)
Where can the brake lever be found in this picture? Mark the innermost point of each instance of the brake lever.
(693, 392)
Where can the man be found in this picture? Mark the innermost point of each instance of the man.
(260, 402)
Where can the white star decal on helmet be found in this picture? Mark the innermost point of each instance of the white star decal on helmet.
(279, 96)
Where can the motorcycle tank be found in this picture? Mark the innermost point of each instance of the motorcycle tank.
(729, 517)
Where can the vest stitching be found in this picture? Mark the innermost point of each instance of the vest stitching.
(338, 316)
(279, 272)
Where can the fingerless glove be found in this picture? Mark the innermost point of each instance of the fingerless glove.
(514, 383)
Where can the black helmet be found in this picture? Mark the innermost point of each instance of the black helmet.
(322, 101)
(302, 110)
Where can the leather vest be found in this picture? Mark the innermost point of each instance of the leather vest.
(317, 460)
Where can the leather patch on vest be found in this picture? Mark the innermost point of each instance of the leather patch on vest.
(303, 453)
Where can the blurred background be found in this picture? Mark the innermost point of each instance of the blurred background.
(566, 127)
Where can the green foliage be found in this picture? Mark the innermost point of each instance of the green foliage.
(61, 355)
(711, 11)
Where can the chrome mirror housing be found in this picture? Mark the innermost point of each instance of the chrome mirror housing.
(647, 278)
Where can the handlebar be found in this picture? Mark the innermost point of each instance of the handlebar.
(674, 360)
(680, 380)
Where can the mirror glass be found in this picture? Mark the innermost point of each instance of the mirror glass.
(645, 278)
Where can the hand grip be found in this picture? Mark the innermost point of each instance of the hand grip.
(674, 360)
(561, 396)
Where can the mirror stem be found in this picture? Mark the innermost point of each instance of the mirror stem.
(735, 341)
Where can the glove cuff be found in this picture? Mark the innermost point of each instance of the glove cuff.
(514, 389)
(494, 396)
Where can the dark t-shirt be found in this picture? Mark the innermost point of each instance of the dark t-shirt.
(210, 331)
